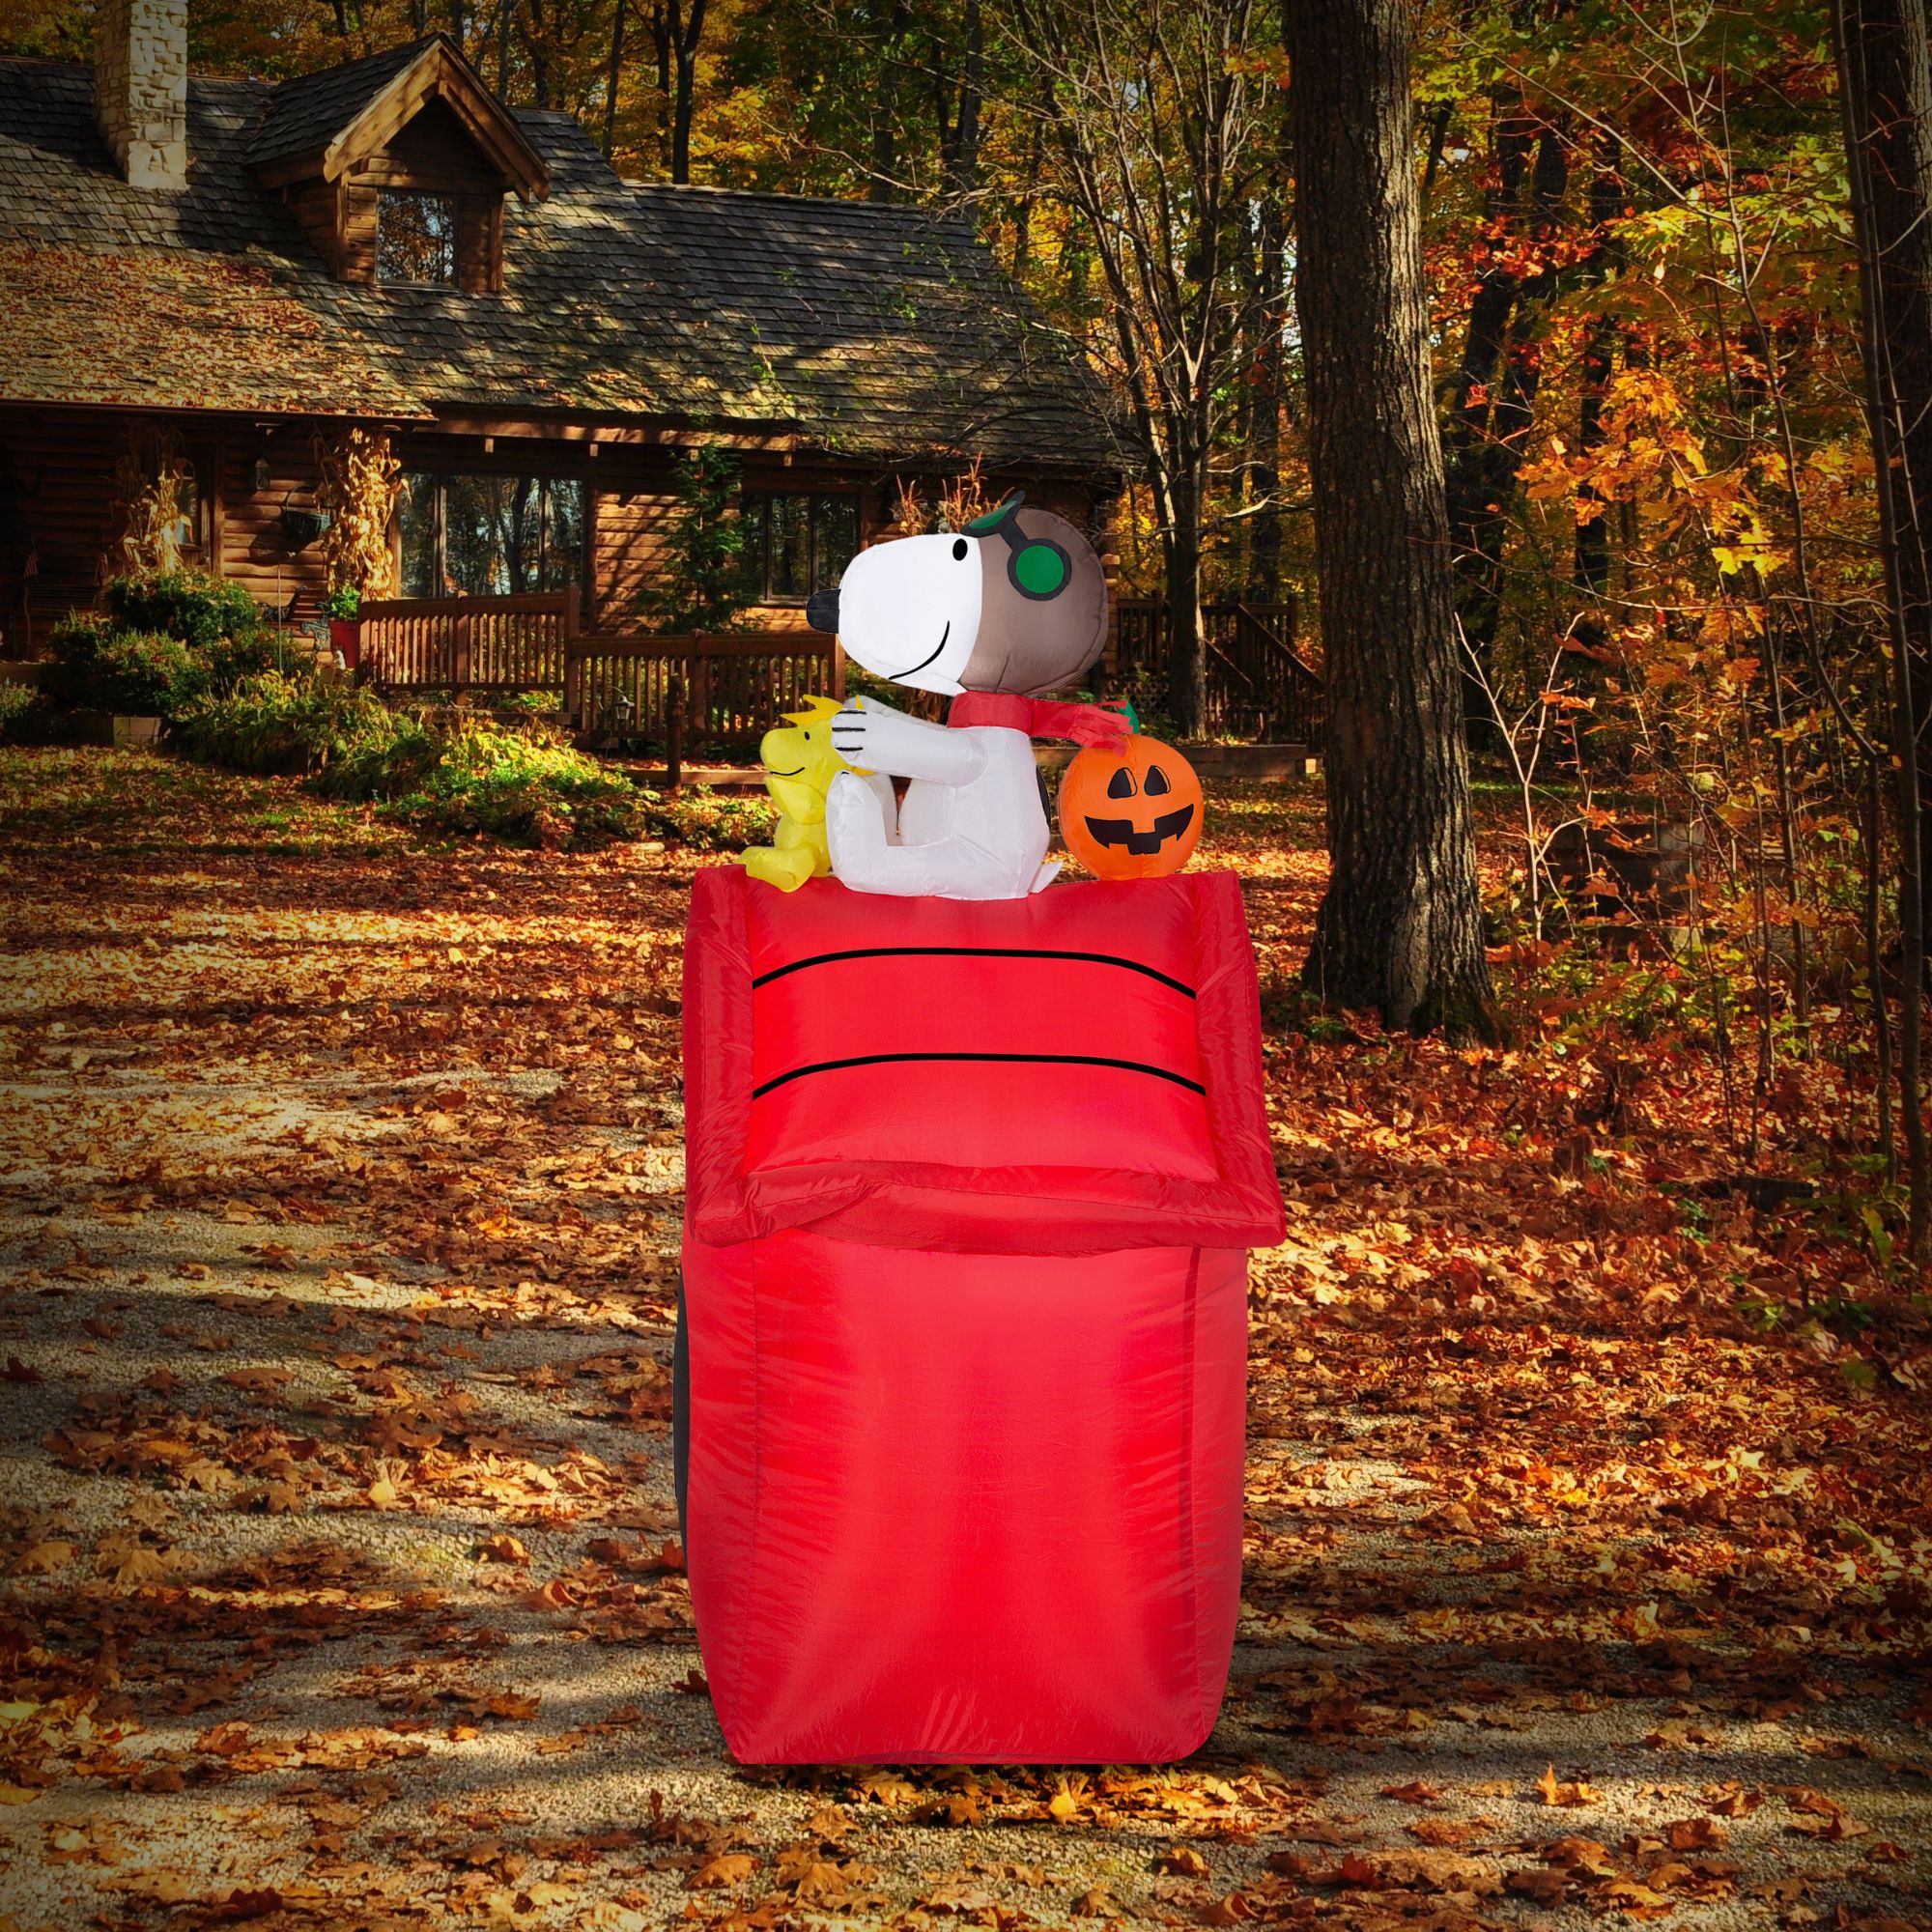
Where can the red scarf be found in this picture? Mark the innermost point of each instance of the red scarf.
(1039, 718)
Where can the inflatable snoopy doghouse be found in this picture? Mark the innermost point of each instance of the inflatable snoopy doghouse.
(973, 1165)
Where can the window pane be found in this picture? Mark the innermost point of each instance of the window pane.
(517, 504)
(789, 574)
(472, 537)
(415, 236)
(755, 511)
(563, 533)
(501, 535)
(419, 514)
(836, 538)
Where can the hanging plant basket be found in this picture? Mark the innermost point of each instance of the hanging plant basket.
(301, 527)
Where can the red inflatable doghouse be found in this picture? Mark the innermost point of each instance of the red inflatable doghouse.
(963, 1349)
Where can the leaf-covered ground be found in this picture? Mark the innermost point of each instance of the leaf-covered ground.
(1588, 1507)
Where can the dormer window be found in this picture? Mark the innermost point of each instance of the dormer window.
(415, 236)
(397, 165)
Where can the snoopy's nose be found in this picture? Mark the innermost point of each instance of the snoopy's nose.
(821, 611)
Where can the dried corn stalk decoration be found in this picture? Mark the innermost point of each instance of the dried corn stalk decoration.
(964, 498)
(958, 502)
(156, 512)
(909, 511)
(361, 481)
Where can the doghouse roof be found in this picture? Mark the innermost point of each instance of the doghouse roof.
(1069, 1074)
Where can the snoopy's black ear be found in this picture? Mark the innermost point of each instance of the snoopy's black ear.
(980, 527)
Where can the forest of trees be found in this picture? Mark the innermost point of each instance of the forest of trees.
(1675, 283)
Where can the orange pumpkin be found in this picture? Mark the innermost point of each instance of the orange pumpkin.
(1132, 810)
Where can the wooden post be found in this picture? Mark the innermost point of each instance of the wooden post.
(217, 505)
(573, 686)
(674, 732)
(700, 689)
(459, 670)
(1109, 660)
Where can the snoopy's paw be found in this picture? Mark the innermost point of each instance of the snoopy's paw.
(854, 728)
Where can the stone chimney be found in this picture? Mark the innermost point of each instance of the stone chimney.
(140, 87)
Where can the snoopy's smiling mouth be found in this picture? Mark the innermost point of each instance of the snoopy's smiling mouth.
(900, 677)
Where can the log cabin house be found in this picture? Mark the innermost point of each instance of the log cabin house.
(224, 273)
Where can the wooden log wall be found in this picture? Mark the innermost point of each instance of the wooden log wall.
(56, 502)
(58, 495)
(255, 551)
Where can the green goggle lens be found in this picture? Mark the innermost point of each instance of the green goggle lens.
(1040, 568)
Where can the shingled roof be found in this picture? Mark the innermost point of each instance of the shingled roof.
(309, 112)
(874, 332)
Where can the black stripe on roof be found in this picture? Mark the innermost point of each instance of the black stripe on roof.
(1029, 1059)
(972, 953)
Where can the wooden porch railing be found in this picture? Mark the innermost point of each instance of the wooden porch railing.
(618, 688)
(1258, 684)
(731, 687)
(468, 643)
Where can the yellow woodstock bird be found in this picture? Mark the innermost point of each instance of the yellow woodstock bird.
(799, 765)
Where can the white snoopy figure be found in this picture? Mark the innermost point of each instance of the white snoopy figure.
(1013, 605)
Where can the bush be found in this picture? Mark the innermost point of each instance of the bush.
(348, 741)
(25, 715)
(466, 777)
(462, 775)
(135, 671)
(185, 604)
(520, 788)
(370, 752)
(706, 822)
(268, 723)
(161, 646)
(231, 660)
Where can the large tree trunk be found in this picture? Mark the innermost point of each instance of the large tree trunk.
(1885, 78)
(1401, 925)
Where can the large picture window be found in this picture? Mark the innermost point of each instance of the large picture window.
(796, 543)
(415, 236)
(491, 537)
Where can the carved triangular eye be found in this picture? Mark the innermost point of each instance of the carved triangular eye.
(1155, 785)
(1120, 784)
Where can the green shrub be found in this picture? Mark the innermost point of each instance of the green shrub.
(25, 714)
(518, 787)
(460, 776)
(231, 660)
(707, 821)
(184, 604)
(265, 725)
(135, 671)
(305, 726)
(366, 751)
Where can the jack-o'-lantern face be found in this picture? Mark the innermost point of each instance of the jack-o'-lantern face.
(1132, 810)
